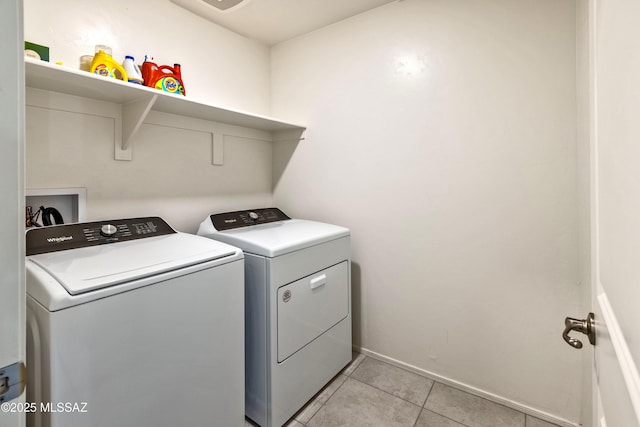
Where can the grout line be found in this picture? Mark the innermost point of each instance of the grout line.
(396, 366)
(358, 365)
(331, 395)
(325, 402)
(386, 392)
(418, 417)
(422, 408)
(491, 401)
(466, 388)
(484, 398)
(433, 383)
(428, 393)
(402, 369)
(444, 416)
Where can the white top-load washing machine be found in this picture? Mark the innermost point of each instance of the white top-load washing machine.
(133, 324)
(297, 306)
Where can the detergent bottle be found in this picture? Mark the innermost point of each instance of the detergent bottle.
(163, 77)
(103, 64)
(133, 71)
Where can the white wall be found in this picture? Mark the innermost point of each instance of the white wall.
(444, 135)
(217, 65)
(171, 174)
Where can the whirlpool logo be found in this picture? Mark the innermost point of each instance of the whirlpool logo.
(59, 239)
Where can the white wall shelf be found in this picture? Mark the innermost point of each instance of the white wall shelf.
(138, 101)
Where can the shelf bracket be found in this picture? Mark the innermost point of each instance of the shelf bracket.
(290, 135)
(133, 115)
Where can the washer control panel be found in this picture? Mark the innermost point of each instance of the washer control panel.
(73, 236)
(231, 220)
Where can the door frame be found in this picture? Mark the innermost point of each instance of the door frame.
(12, 129)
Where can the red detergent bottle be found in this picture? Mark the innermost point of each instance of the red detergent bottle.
(163, 77)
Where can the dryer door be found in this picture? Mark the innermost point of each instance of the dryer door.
(310, 306)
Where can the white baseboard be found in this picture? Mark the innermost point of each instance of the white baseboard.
(470, 389)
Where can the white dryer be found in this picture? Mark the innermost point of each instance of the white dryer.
(132, 324)
(297, 306)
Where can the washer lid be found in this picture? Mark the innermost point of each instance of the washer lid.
(275, 238)
(86, 269)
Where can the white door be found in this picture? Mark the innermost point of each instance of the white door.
(615, 192)
(12, 288)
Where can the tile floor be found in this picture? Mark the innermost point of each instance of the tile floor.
(369, 392)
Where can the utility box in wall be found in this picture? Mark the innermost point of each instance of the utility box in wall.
(71, 203)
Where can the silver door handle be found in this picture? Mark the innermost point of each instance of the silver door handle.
(586, 326)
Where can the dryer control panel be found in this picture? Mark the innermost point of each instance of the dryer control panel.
(231, 220)
(73, 236)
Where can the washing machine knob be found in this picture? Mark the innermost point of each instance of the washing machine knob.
(253, 215)
(108, 230)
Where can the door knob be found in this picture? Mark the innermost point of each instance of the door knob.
(586, 326)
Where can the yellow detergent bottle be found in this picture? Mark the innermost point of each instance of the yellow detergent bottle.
(103, 64)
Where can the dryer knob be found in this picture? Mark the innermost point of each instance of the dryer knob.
(253, 215)
(108, 230)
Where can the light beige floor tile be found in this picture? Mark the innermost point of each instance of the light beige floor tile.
(399, 382)
(535, 422)
(355, 362)
(471, 410)
(431, 419)
(356, 404)
(309, 410)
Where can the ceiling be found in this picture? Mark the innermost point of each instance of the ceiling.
(273, 21)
